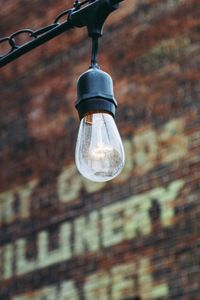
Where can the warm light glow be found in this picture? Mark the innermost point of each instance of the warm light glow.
(99, 150)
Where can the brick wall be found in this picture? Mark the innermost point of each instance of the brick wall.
(65, 238)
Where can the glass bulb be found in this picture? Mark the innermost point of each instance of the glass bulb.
(99, 150)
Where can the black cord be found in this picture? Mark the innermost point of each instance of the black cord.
(95, 46)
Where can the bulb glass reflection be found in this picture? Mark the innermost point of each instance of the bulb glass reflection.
(99, 150)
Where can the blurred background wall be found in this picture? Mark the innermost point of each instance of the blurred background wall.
(65, 238)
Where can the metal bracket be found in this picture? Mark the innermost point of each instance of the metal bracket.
(93, 16)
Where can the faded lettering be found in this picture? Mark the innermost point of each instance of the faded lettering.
(108, 226)
(120, 282)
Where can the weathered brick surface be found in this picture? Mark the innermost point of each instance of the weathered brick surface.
(63, 238)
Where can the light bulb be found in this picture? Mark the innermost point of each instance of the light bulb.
(99, 150)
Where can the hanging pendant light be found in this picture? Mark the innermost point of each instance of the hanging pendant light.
(99, 151)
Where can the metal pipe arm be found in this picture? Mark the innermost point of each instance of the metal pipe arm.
(92, 16)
